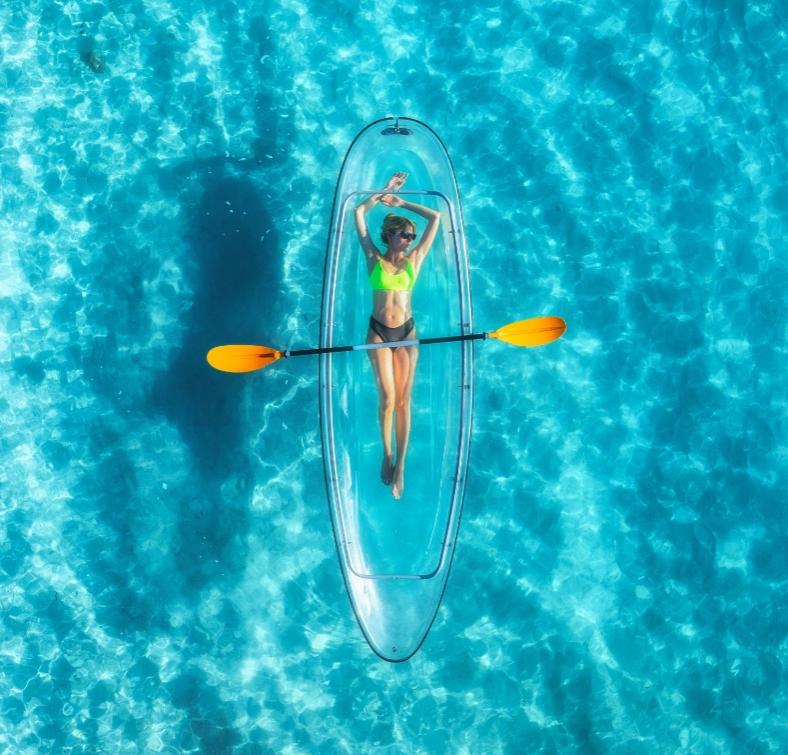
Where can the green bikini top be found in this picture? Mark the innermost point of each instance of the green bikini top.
(382, 280)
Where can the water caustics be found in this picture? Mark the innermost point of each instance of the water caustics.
(395, 555)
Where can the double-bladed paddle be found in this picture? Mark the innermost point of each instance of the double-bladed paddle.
(536, 331)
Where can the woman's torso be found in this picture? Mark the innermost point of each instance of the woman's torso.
(392, 307)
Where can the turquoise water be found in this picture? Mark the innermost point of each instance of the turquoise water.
(169, 579)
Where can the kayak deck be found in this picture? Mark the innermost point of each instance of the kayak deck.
(395, 555)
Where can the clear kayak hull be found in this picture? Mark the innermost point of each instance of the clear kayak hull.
(395, 555)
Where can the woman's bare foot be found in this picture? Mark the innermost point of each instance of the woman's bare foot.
(398, 482)
(386, 469)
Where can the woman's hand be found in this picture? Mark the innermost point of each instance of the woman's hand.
(392, 200)
(395, 183)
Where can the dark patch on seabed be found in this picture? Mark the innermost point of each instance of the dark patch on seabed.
(235, 279)
(235, 276)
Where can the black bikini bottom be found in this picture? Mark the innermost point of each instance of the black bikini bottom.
(388, 334)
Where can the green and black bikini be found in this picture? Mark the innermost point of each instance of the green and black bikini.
(382, 280)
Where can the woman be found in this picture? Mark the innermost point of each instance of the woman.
(392, 275)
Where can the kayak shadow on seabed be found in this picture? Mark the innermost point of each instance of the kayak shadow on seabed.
(236, 286)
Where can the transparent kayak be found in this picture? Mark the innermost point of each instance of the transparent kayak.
(396, 554)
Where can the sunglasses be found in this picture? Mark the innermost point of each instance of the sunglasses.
(404, 235)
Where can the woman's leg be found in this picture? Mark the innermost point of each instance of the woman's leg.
(405, 359)
(382, 366)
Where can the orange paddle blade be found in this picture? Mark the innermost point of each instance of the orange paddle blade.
(242, 358)
(534, 332)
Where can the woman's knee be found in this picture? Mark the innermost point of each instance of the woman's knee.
(388, 401)
(403, 402)
(402, 398)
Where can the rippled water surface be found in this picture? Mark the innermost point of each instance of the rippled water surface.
(168, 578)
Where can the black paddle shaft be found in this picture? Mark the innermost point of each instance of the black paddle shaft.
(419, 341)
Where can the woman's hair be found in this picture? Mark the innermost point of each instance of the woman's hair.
(394, 222)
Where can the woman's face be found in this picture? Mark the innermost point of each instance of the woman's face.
(402, 238)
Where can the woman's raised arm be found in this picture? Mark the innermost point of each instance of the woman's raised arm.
(371, 252)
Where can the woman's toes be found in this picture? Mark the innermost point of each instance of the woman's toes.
(397, 483)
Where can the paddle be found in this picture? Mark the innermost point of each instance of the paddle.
(244, 358)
